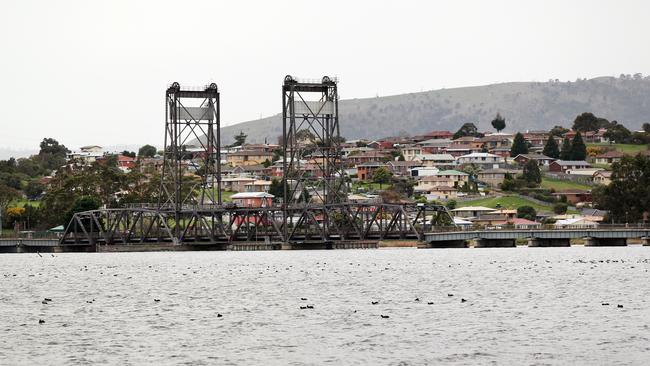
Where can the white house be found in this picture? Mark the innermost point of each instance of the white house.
(485, 160)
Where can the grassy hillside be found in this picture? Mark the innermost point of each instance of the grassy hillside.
(625, 148)
(509, 202)
(525, 105)
(559, 185)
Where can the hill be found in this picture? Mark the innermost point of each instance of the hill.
(525, 105)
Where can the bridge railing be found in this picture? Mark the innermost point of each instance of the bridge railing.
(635, 226)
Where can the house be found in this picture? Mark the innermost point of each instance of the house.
(537, 138)
(434, 146)
(575, 223)
(490, 219)
(442, 193)
(434, 135)
(486, 160)
(423, 171)
(494, 177)
(410, 151)
(87, 154)
(403, 168)
(589, 136)
(365, 171)
(252, 199)
(574, 196)
(368, 157)
(248, 157)
(494, 141)
(609, 157)
(236, 184)
(523, 224)
(542, 160)
(437, 160)
(472, 211)
(258, 185)
(125, 163)
(603, 177)
(454, 177)
(561, 166)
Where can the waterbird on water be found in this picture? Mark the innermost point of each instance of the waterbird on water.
(385, 316)
(619, 306)
(463, 300)
(41, 321)
(374, 302)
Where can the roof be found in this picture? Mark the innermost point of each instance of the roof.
(450, 172)
(571, 162)
(423, 157)
(535, 156)
(520, 221)
(480, 155)
(251, 195)
(604, 173)
(407, 163)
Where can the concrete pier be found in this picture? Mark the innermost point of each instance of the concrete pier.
(645, 241)
(495, 243)
(542, 243)
(443, 244)
(605, 242)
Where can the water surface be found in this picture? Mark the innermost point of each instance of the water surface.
(523, 306)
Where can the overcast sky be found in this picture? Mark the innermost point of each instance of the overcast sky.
(95, 72)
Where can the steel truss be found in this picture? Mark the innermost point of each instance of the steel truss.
(191, 211)
(223, 225)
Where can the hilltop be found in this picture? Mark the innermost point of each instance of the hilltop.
(525, 105)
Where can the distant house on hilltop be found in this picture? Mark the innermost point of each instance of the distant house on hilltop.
(561, 166)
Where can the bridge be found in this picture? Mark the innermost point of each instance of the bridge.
(604, 235)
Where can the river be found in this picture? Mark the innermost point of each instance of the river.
(518, 306)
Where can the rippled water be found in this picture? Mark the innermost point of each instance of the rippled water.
(523, 306)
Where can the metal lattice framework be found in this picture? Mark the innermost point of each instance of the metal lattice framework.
(311, 142)
(190, 210)
(191, 115)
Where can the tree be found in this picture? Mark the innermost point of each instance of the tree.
(558, 131)
(519, 145)
(276, 188)
(451, 204)
(578, 148)
(34, 189)
(646, 127)
(52, 154)
(51, 146)
(405, 186)
(130, 154)
(627, 197)
(551, 149)
(618, 134)
(467, 129)
(240, 139)
(526, 212)
(81, 204)
(7, 195)
(565, 152)
(147, 151)
(588, 122)
(532, 174)
(381, 176)
(560, 208)
(499, 123)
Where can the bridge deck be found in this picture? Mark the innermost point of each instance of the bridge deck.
(606, 233)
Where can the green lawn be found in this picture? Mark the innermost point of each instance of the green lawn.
(558, 185)
(625, 148)
(225, 196)
(509, 202)
(369, 186)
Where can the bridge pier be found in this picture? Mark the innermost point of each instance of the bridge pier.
(494, 243)
(540, 243)
(443, 244)
(605, 242)
(645, 241)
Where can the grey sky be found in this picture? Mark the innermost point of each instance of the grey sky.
(94, 72)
